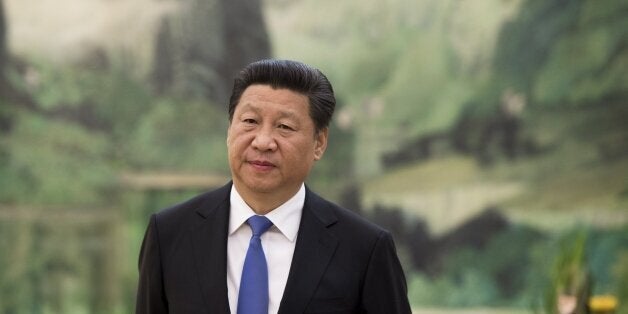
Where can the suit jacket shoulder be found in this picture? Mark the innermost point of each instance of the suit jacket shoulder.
(180, 217)
(347, 225)
(183, 263)
(343, 263)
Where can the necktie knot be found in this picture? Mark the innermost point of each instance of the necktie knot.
(259, 225)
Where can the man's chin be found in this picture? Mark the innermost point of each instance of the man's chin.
(261, 187)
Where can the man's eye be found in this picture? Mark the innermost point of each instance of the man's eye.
(285, 127)
(249, 121)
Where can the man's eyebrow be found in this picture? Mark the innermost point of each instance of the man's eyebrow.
(249, 106)
(288, 114)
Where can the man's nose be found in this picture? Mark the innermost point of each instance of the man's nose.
(265, 140)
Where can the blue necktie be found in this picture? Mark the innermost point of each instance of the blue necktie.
(253, 294)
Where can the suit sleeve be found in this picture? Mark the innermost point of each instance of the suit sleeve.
(150, 291)
(385, 290)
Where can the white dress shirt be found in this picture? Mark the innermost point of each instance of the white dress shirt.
(278, 244)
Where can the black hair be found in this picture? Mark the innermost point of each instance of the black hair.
(293, 75)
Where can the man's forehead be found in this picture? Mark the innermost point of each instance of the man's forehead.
(256, 96)
(270, 89)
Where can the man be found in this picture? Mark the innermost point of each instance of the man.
(265, 243)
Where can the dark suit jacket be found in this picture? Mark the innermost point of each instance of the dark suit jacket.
(342, 263)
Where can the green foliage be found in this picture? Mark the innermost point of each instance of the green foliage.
(620, 271)
(121, 101)
(409, 97)
(14, 267)
(370, 68)
(57, 267)
(569, 272)
(604, 251)
(93, 125)
(325, 176)
(525, 42)
(55, 87)
(582, 262)
(572, 52)
(49, 162)
(469, 290)
(87, 126)
(186, 136)
(113, 96)
(522, 269)
(582, 67)
(500, 274)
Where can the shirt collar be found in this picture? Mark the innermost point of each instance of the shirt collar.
(285, 218)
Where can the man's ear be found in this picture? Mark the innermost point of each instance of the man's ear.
(320, 143)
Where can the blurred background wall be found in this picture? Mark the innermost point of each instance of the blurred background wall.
(490, 136)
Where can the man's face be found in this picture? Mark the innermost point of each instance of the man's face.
(272, 143)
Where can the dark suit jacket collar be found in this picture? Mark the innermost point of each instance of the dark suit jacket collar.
(214, 201)
(314, 248)
(319, 207)
(209, 241)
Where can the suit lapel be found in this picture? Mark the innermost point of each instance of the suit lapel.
(314, 249)
(209, 242)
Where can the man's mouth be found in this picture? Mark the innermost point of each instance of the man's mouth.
(261, 164)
